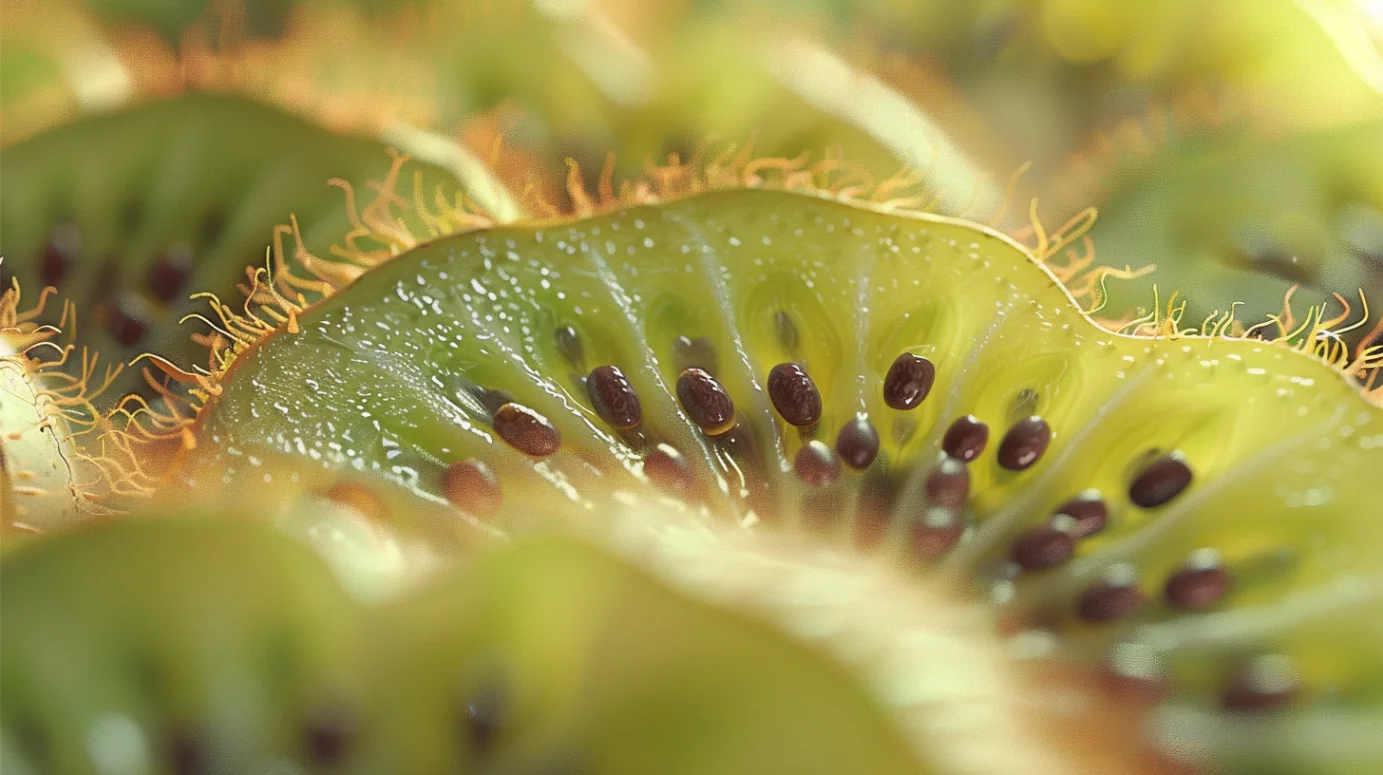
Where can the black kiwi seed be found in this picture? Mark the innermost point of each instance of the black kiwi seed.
(1266, 683)
(966, 438)
(698, 353)
(1160, 481)
(169, 272)
(1112, 597)
(526, 430)
(794, 394)
(705, 401)
(936, 531)
(472, 485)
(786, 331)
(613, 397)
(667, 468)
(1088, 510)
(858, 442)
(484, 713)
(569, 345)
(125, 320)
(1199, 584)
(187, 754)
(816, 464)
(1024, 443)
(327, 735)
(948, 484)
(1042, 548)
(59, 253)
(908, 381)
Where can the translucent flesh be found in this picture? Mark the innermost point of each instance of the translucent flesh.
(381, 377)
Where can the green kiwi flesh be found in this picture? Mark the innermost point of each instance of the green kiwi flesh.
(1233, 476)
(170, 645)
(129, 213)
(1243, 219)
(189, 645)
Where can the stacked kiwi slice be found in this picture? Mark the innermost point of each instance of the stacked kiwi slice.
(688, 384)
(750, 481)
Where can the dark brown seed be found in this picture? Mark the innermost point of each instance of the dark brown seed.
(1042, 548)
(786, 331)
(613, 397)
(526, 430)
(966, 438)
(1199, 584)
(328, 734)
(1088, 512)
(794, 394)
(169, 272)
(698, 353)
(484, 715)
(473, 486)
(491, 400)
(1160, 481)
(569, 345)
(858, 442)
(705, 401)
(1267, 683)
(667, 468)
(1024, 443)
(948, 484)
(908, 381)
(59, 253)
(816, 464)
(188, 754)
(936, 532)
(125, 321)
(1113, 597)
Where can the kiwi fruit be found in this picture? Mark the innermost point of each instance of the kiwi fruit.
(186, 644)
(1243, 215)
(129, 213)
(1181, 512)
(173, 645)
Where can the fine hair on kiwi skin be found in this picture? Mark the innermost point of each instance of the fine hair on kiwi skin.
(1051, 585)
(130, 213)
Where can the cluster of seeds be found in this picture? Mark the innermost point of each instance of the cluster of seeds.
(1199, 585)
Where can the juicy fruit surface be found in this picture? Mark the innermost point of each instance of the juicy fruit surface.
(1232, 476)
(211, 646)
(128, 214)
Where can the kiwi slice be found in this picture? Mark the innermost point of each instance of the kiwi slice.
(130, 213)
(1242, 218)
(173, 645)
(194, 645)
(1184, 513)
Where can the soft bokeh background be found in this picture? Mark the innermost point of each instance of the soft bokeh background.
(1236, 145)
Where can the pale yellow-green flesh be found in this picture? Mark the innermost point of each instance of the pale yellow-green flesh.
(606, 672)
(208, 175)
(120, 640)
(1282, 447)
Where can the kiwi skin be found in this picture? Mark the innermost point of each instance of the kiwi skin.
(130, 213)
